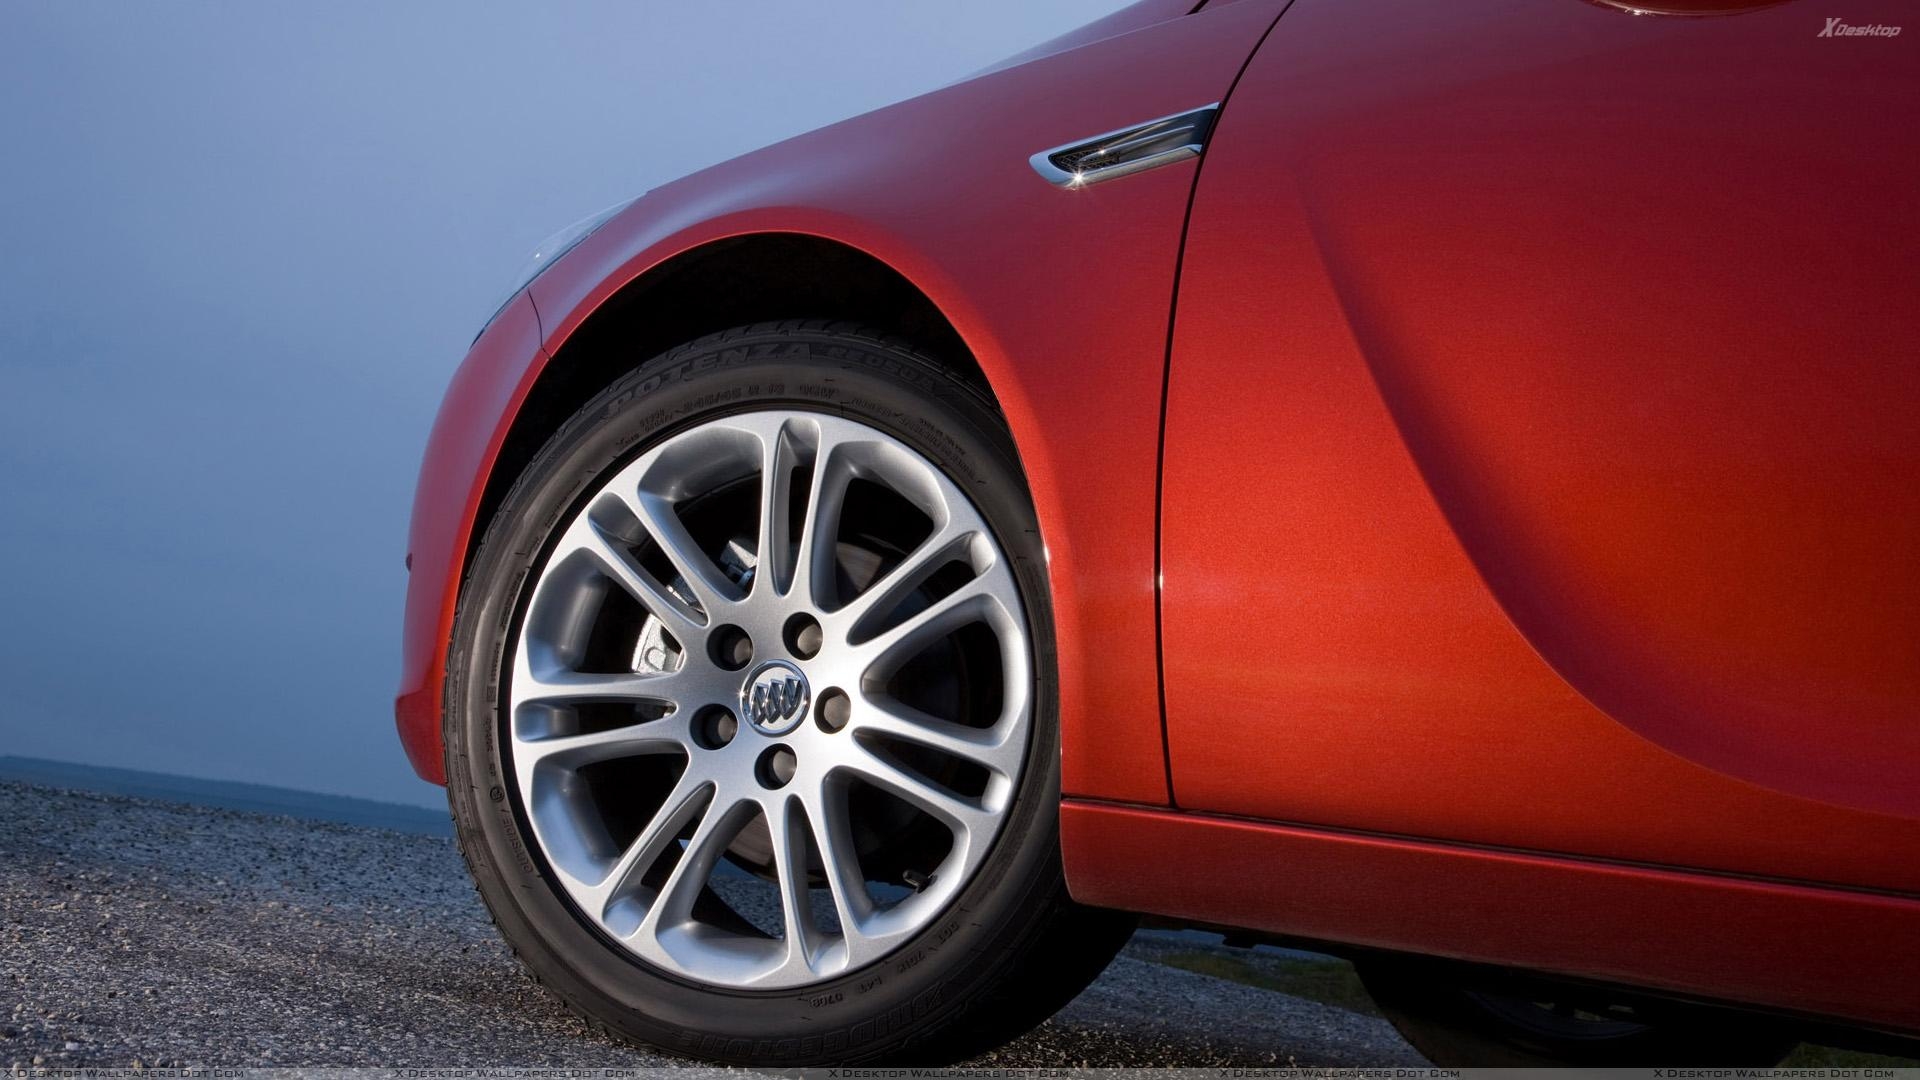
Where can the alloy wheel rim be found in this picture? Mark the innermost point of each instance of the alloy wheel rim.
(824, 718)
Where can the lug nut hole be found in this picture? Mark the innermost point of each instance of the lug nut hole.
(730, 647)
(714, 727)
(832, 710)
(803, 636)
(775, 767)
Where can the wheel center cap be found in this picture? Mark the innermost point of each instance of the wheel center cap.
(775, 697)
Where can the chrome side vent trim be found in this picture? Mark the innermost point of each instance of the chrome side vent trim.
(1127, 151)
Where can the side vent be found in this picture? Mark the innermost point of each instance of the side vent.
(1127, 151)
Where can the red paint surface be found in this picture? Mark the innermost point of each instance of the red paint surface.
(1569, 373)
(1540, 467)
(1062, 296)
(466, 435)
(1817, 951)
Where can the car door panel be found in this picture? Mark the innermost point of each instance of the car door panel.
(1540, 466)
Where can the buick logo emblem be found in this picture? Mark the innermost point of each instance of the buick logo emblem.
(775, 697)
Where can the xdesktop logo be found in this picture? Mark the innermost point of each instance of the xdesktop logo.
(1837, 28)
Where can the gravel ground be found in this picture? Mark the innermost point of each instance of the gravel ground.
(172, 935)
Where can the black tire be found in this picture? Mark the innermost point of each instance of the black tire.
(1456, 1025)
(1012, 948)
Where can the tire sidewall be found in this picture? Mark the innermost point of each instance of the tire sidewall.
(864, 379)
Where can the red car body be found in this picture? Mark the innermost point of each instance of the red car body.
(1482, 493)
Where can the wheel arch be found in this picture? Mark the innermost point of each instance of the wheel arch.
(732, 281)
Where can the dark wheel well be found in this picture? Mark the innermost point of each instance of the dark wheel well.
(732, 282)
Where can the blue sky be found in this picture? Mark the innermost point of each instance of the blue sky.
(246, 244)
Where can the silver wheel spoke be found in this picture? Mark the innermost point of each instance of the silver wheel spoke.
(991, 748)
(960, 814)
(568, 687)
(681, 804)
(762, 714)
(663, 736)
(901, 643)
(778, 462)
(814, 572)
(833, 839)
(946, 545)
(790, 845)
(662, 523)
(683, 620)
(720, 822)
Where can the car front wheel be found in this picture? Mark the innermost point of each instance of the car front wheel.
(750, 720)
